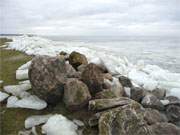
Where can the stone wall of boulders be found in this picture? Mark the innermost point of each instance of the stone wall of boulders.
(119, 108)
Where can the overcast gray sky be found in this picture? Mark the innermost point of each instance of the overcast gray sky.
(91, 17)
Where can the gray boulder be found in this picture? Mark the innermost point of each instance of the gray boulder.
(137, 93)
(151, 101)
(152, 116)
(48, 76)
(126, 82)
(159, 93)
(76, 94)
(173, 112)
(164, 129)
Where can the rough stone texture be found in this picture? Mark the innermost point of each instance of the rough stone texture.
(126, 82)
(92, 76)
(153, 116)
(76, 59)
(48, 76)
(173, 100)
(105, 94)
(125, 121)
(81, 68)
(137, 93)
(63, 53)
(108, 76)
(102, 104)
(173, 112)
(93, 121)
(151, 101)
(107, 84)
(76, 94)
(159, 93)
(164, 129)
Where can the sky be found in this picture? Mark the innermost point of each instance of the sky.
(91, 17)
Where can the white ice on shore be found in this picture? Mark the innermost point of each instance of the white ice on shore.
(22, 74)
(147, 76)
(25, 82)
(3, 96)
(36, 120)
(25, 66)
(31, 102)
(59, 125)
(17, 90)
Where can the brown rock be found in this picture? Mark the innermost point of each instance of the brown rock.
(76, 94)
(76, 59)
(48, 76)
(92, 76)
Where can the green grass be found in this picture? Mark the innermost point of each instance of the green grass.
(12, 119)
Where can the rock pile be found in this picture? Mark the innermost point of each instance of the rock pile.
(79, 84)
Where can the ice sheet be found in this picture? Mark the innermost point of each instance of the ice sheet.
(31, 102)
(36, 120)
(17, 90)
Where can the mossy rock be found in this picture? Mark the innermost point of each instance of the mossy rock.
(76, 59)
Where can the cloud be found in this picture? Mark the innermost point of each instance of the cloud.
(93, 17)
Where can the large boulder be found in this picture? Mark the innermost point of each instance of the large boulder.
(76, 94)
(92, 76)
(125, 121)
(48, 76)
(173, 112)
(159, 93)
(151, 101)
(164, 129)
(137, 93)
(76, 59)
(153, 116)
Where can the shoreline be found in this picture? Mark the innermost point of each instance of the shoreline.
(78, 114)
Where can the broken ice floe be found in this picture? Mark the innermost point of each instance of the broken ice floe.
(28, 132)
(17, 90)
(3, 96)
(30, 102)
(25, 66)
(59, 125)
(22, 74)
(36, 120)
